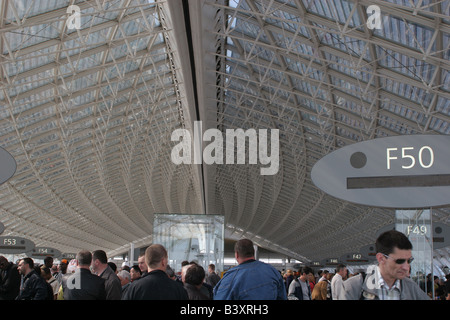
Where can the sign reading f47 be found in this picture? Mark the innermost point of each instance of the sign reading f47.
(410, 171)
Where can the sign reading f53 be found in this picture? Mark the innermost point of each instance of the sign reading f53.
(410, 171)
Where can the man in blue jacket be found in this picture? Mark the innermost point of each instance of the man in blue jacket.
(251, 279)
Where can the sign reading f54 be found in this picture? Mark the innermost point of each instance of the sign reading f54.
(397, 172)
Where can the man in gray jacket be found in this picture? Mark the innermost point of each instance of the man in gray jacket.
(389, 279)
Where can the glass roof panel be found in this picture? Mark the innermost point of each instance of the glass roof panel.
(87, 113)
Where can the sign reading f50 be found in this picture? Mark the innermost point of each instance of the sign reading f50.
(411, 154)
(397, 172)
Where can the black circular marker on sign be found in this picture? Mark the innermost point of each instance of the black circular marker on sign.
(358, 160)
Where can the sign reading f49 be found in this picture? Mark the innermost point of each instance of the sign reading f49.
(397, 172)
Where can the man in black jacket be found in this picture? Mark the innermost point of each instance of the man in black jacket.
(212, 277)
(83, 285)
(34, 287)
(9, 280)
(193, 282)
(156, 284)
(101, 268)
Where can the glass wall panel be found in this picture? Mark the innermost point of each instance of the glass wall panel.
(416, 225)
(196, 238)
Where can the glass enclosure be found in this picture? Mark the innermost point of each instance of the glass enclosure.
(196, 238)
(417, 226)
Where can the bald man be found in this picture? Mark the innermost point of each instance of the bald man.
(251, 279)
(156, 284)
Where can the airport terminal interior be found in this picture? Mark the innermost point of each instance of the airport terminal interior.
(117, 114)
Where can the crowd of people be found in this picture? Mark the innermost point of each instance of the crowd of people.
(94, 278)
(321, 285)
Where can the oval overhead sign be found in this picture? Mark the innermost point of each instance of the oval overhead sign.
(369, 251)
(42, 252)
(15, 245)
(384, 228)
(410, 171)
(68, 256)
(315, 264)
(441, 235)
(353, 258)
(330, 262)
(7, 165)
(438, 231)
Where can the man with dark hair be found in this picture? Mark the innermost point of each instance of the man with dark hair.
(33, 285)
(193, 282)
(52, 282)
(83, 285)
(135, 272)
(62, 270)
(155, 285)
(244, 248)
(389, 279)
(299, 289)
(9, 280)
(48, 262)
(103, 270)
(251, 279)
(337, 283)
(388, 241)
(212, 278)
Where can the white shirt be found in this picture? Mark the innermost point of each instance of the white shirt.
(337, 287)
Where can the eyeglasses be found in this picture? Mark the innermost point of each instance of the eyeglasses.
(400, 261)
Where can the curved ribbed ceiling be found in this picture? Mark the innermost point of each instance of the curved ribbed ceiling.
(88, 113)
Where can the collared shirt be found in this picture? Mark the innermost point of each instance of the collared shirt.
(337, 287)
(386, 293)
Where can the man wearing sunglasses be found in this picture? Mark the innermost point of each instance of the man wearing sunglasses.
(389, 280)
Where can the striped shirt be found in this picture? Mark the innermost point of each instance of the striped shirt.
(386, 293)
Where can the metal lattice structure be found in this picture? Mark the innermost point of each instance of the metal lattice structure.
(89, 100)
